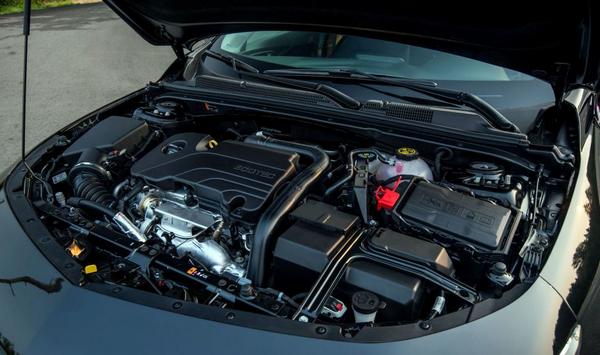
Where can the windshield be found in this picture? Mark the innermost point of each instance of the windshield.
(316, 50)
(519, 97)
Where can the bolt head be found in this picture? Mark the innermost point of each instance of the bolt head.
(425, 325)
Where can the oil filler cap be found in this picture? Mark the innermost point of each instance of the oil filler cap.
(90, 269)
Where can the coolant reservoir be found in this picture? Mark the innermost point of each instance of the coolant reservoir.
(406, 162)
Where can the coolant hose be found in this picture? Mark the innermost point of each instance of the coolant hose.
(91, 205)
(284, 202)
(126, 226)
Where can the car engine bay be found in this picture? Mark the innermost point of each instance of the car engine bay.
(293, 219)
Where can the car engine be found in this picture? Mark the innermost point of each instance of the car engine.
(234, 210)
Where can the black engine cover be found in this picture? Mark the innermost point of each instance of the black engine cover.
(234, 177)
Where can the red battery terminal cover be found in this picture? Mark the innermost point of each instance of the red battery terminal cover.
(386, 198)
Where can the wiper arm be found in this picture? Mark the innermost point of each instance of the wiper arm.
(244, 68)
(422, 86)
(235, 63)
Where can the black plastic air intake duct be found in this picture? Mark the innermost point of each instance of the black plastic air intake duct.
(284, 202)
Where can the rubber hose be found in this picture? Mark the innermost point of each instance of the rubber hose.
(92, 187)
(91, 205)
(442, 153)
(284, 202)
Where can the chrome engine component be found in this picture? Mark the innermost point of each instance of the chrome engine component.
(170, 213)
(178, 219)
(181, 220)
(211, 254)
(128, 227)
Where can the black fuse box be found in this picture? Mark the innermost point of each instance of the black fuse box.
(457, 216)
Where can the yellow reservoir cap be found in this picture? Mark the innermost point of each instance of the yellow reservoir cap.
(90, 269)
(407, 153)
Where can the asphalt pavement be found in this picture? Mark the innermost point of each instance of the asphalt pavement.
(80, 58)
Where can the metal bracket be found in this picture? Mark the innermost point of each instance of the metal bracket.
(177, 47)
(361, 181)
(596, 111)
(558, 80)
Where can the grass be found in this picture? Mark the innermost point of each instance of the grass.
(35, 5)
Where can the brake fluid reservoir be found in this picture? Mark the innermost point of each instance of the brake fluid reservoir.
(405, 162)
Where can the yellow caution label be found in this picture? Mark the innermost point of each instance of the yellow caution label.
(192, 270)
(90, 269)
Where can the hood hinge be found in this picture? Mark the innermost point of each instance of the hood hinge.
(559, 81)
(178, 49)
(175, 45)
(596, 113)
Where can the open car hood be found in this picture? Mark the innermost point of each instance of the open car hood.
(557, 44)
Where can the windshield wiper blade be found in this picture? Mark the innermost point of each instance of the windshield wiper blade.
(344, 73)
(422, 86)
(246, 69)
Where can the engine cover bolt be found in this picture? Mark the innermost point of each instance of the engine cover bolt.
(246, 290)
